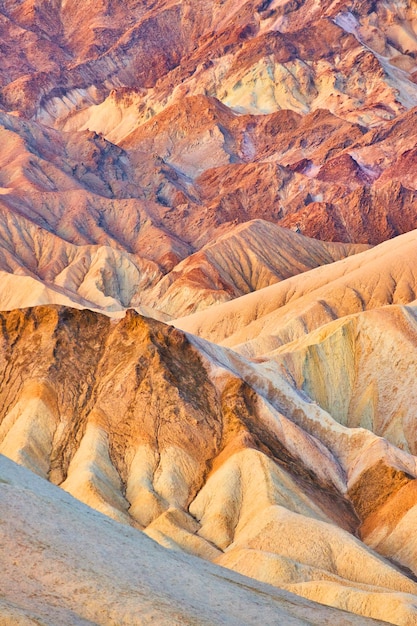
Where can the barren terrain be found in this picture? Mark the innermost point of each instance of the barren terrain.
(208, 312)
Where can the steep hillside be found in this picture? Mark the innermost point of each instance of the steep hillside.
(278, 314)
(208, 311)
(206, 452)
(247, 258)
(297, 113)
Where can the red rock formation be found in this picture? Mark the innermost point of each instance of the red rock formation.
(150, 153)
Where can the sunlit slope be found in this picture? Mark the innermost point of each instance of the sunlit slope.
(260, 322)
(247, 258)
(205, 451)
(75, 566)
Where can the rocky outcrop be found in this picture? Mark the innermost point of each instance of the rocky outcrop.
(150, 155)
(204, 451)
(297, 114)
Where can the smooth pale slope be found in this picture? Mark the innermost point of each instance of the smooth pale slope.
(201, 448)
(64, 564)
(362, 370)
(260, 322)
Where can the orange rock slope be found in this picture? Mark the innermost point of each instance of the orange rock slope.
(210, 453)
(208, 308)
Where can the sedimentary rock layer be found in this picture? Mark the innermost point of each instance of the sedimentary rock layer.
(204, 451)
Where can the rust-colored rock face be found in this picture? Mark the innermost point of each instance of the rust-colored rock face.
(208, 321)
(186, 90)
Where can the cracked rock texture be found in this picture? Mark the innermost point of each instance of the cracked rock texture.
(208, 453)
(208, 311)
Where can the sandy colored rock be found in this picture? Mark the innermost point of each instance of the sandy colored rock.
(151, 157)
(91, 570)
(205, 451)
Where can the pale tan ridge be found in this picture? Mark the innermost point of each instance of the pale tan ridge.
(203, 449)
